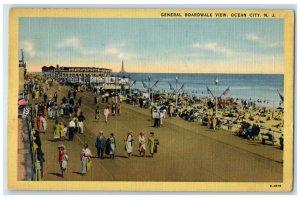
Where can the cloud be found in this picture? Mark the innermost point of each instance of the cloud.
(117, 51)
(70, 42)
(75, 43)
(252, 37)
(111, 51)
(275, 44)
(28, 47)
(214, 47)
(261, 42)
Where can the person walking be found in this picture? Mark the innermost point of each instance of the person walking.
(106, 113)
(56, 133)
(156, 119)
(45, 97)
(81, 119)
(55, 97)
(112, 146)
(44, 124)
(62, 159)
(118, 108)
(214, 122)
(95, 99)
(36, 109)
(142, 144)
(45, 111)
(150, 143)
(128, 143)
(97, 113)
(161, 117)
(171, 110)
(72, 128)
(38, 122)
(77, 110)
(75, 119)
(74, 93)
(209, 122)
(86, 162)
(100, 144)
(61, 131)
(113, 108)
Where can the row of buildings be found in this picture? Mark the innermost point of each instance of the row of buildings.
(94, 76)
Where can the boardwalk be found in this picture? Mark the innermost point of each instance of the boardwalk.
(187, 151)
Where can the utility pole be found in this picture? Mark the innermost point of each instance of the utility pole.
(116, 85)
(216, 88)
(129, 86)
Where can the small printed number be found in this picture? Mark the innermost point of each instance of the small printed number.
(275, 185)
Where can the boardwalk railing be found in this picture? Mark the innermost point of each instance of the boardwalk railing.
(33, 166)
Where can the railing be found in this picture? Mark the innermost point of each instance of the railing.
(33, 166)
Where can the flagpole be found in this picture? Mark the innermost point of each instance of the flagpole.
(216, 87)
(176, 92)
(129, 88)
(149, 88)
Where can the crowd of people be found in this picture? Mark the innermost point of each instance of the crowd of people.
(70, 109)
(107, 146)
(232, 113)
(189, 107)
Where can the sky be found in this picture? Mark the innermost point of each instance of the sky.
(165, 45)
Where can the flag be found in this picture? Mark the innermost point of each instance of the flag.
(226, 91)
(209, 91)
(181, 88)
(133, 83)
(171, 87)
(281, 97)
(155, 84)
(144, 84)
(26, 111)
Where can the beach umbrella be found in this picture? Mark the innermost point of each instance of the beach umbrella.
(22, 102)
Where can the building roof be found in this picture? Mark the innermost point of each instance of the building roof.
(75, 69)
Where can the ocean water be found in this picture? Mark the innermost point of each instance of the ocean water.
(246, 86)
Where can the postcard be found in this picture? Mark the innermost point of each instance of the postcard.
(150, 100)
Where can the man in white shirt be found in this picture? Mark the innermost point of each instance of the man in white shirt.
(72, 129)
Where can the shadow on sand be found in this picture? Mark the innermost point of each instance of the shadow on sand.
(56, 174)
(121, 156)
(76, 172)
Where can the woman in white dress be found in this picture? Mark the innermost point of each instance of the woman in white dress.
(142, 144)
(112, 146)
(44, 124)
(128, 143)
(106, 112)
